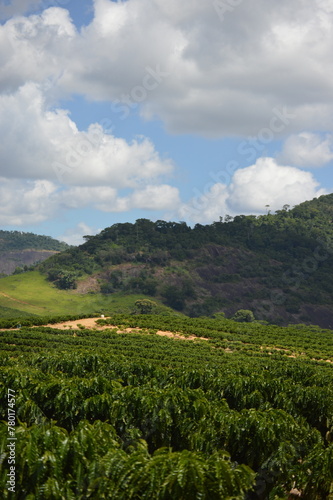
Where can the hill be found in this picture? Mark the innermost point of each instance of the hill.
(277, 265)
(118, 411)
(30, 293)
(21, 250)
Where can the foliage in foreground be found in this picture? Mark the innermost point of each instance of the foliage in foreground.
(124, 415)
(90, 463)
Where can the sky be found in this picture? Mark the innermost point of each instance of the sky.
(111, 111)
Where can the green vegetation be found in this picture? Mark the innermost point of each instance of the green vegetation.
(244, 411)
(145, 306)
(9, 312)
(65, 280)
(246, 414)
(32, 293)
(278, 266)
(243, 315)
(18, 240)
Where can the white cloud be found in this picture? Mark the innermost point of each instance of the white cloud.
(16, 7)
(26, 202)
(251, 189)
(162, 197)
(39, 143)
(267, 183)
(195, 71)
(107, 199)
(48, 165)
(224, 77)
(74, 235)
(207, 206)
(307, 150)
(36, 48)
(30, 202)
(219, 77)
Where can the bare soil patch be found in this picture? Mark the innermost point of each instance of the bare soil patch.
(86, 322)
(90, 323)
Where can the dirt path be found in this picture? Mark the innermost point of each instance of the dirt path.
(86, 322)
(90, 323)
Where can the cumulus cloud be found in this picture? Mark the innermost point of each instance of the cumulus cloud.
(267, 183)
(307, 150)
(41, 143)
(213, 75)
(11, 8)
(251, 190)
(16, 7)
(207, 206)
(197, 70)
(35, 48)
(74, 235)
(162, 197)
(107, 199)
(26, 202)
(48, 165)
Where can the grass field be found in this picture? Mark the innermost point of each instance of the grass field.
(31, 293)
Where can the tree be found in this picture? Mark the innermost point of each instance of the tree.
(243, 316)
(145, 306)
(62, 279)
(174, 297)
(66, 280)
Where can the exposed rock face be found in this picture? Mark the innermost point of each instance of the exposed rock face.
(10, 260)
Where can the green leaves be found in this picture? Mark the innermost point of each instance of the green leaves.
(89, 462)
(316, 476)
(109, 415)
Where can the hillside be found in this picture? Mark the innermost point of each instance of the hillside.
(277, 265)
(30, 293)
(22, 250)
(214, 409)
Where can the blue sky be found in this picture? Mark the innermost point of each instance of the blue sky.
(113, 111)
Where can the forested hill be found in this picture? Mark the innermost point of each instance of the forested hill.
(20, 250)
(18, 240)
(277, 265)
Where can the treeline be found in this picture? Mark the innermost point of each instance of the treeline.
(287, 234)
(19, 240)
